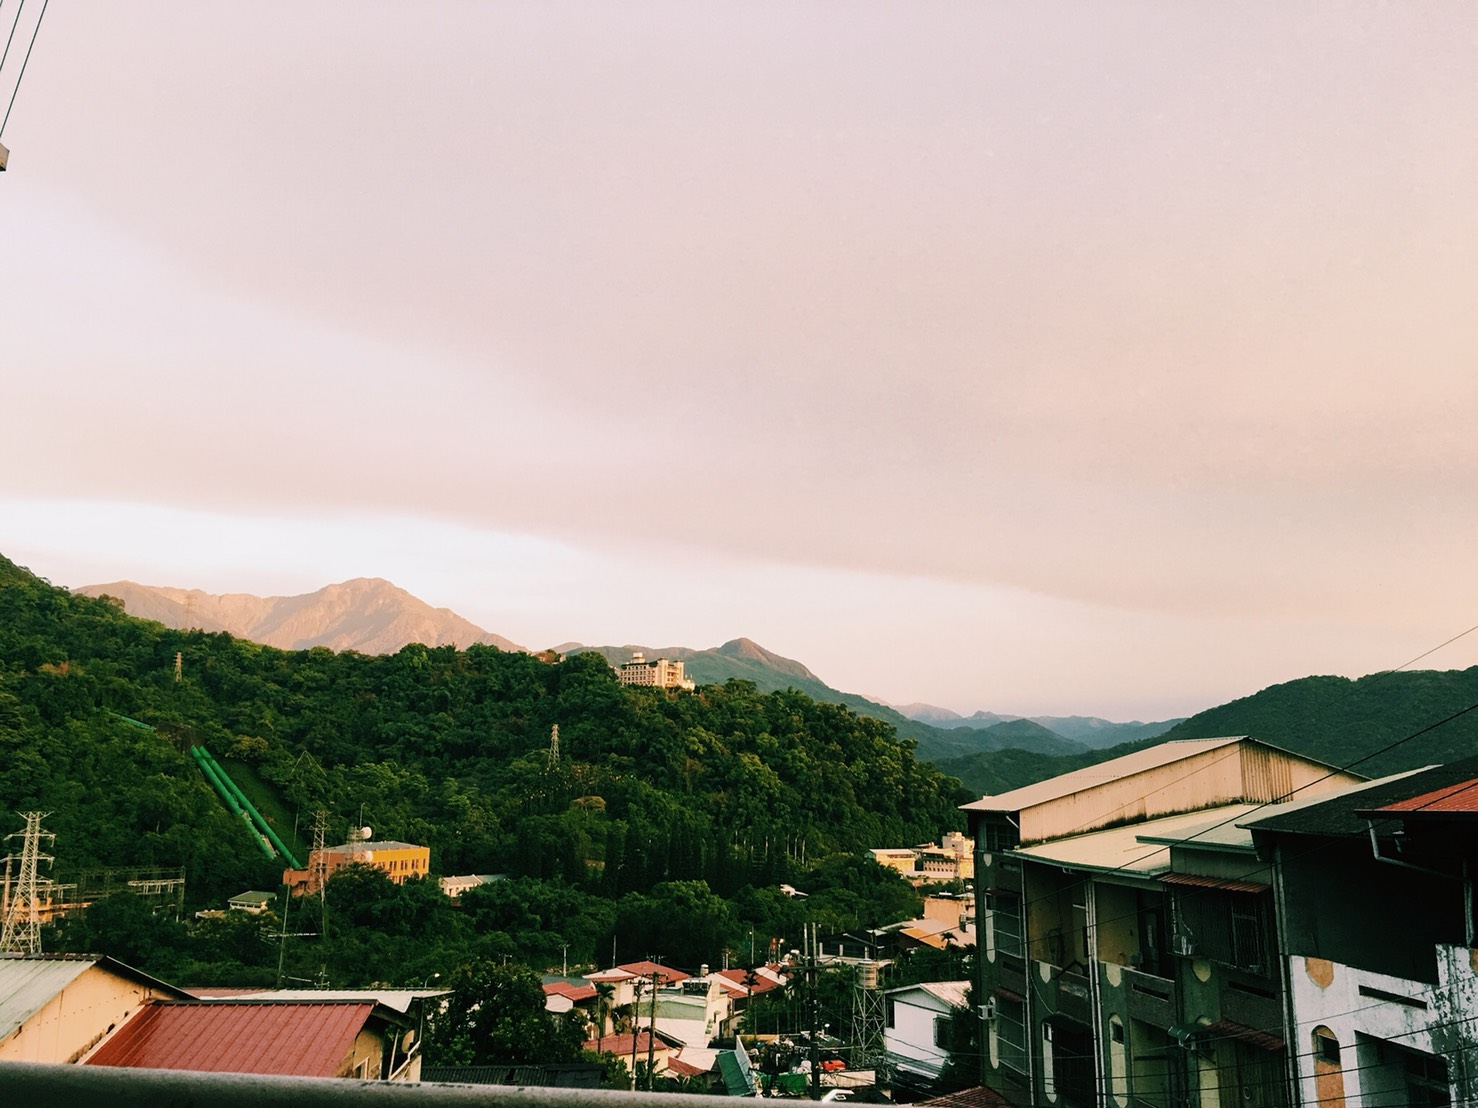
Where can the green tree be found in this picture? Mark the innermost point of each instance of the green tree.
(495, 1013)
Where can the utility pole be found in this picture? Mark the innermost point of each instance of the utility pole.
(635, 1019)
(21, 933)
(652, 1032)
(815, 1014)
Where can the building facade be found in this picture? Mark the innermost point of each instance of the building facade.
(662, 673)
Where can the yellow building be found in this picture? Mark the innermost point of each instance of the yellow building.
(396, 860)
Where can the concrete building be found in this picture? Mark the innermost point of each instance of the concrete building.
(1090, 992)
(398, 861)
(1377, 920)
(662, 673)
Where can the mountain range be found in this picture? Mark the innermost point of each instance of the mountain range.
(367, 614)
(373, 616)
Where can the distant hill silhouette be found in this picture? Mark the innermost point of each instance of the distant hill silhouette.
(367, 614)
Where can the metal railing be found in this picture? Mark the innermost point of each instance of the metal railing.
(35, 1085)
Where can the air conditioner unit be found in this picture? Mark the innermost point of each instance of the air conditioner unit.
(988, 1009)
(1183, 945)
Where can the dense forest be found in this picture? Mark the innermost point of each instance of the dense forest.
(664, 826)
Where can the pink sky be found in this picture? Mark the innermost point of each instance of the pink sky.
(1113, 359)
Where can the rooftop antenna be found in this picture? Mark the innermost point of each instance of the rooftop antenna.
(21, 933)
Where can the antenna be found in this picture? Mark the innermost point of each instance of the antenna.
(21, 933)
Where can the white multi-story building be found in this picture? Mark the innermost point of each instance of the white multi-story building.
(662, 673)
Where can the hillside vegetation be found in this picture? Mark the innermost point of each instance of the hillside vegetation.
(657, 800)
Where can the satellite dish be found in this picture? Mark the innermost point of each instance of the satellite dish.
(407, 1039)
(366, 833)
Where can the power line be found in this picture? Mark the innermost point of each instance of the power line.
(24, 62)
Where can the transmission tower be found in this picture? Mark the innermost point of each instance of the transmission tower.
(554, 747)
(22, 930)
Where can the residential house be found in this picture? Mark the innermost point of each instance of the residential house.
(56, 1007)
(1079, 979)
(918, 1029)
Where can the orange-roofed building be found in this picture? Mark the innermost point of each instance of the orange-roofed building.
(622, 1045)
(358, 1039)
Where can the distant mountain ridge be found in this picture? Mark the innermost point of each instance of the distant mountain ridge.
(1091, 731)
(367, 614)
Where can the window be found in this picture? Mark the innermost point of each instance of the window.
(1011, 1033)
(1227, 927)
(1007, 914)
(892, 1019)
(941, 1032)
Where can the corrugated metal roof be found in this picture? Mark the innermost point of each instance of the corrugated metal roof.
(1456, 799)
(1114, 769)
(28, 984)
(1339, 815)
(978, 1097)
(1201, 882)
(223, 1036)
(1122, 849)
(951, 992)
(1226, 1029)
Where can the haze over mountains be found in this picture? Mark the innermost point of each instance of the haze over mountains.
(373, 616)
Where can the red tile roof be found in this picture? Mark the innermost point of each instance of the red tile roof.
(762, 983)
(683, 1069)
(222, 1036)
(1460, 798)
(565, 989)
(620, 1045)
(646, 969)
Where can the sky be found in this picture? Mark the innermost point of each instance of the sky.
(1067, 358)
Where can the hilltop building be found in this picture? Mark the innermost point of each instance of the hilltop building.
(952, 859)
(396, 860)
(662, 673)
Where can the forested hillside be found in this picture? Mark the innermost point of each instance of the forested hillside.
(1338, 720)
(657, 799)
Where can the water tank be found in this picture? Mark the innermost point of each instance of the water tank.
(867, 975)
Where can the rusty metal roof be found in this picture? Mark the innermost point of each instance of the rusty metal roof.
(1224, 883)
(1265, 1040)
(221, 1036)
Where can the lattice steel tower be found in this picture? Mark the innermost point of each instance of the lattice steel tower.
(21, 933)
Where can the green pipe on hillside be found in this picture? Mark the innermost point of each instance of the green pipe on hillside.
(257, 817)
(225, 794)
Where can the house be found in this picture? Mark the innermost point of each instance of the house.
(1088, 992)
(56, 1007)
(345, 1038)
(917, 1028)
(661, 673)
(453, 887)
(562, 996)
(1377, 923)
(639, 1046)
(254, 902)
(397, 860)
